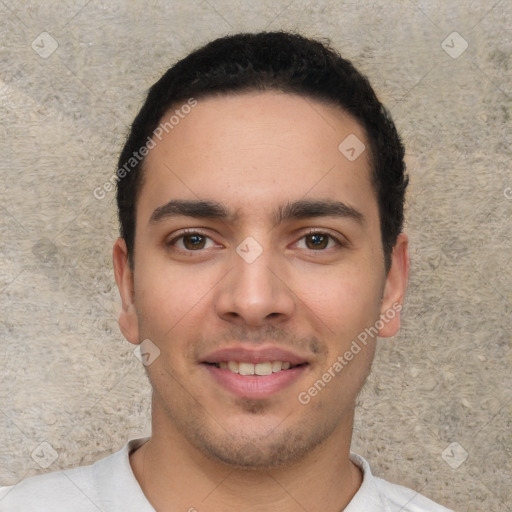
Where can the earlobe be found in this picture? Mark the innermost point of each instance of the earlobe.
(394, 290)
(128, 324)
(128, 321)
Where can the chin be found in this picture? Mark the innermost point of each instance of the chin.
(279, 447)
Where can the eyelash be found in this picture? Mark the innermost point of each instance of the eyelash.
(336, 240)
(184, 233)
(189, 232)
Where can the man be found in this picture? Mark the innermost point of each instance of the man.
(260, 196)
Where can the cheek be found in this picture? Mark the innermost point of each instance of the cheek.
(169, 298)
(340, 309)
(345, 301)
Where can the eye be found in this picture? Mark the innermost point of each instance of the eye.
(191, 241)
(319, 241)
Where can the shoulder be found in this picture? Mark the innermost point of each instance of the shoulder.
(61, 490)
(108, 484)
(405, 499)
(378, 495)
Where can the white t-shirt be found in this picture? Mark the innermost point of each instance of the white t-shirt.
(109, 485)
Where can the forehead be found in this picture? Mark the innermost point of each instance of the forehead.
(254, 151)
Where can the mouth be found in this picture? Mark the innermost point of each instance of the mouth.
(254, 373)
(260, 369)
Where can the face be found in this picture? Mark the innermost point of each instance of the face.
(258, 261)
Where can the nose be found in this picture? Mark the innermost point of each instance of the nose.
(255, 293)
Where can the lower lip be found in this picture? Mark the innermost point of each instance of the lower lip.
(255, 386)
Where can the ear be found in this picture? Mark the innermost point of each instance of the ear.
(394, 289)
(128, 321)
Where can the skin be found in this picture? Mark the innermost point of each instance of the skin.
(254, 153)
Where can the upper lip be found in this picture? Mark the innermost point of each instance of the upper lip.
(254, 355)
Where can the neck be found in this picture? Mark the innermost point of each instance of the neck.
(175, 476)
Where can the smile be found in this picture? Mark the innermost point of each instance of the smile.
(261, 369)
(255, 372)
(255, 381)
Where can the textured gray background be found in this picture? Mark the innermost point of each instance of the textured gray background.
(68, 377)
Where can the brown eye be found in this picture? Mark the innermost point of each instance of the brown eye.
(317, 241)
(193, 242)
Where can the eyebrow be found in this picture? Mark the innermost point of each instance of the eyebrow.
(191, 208)
(304, 209)
(301, 209)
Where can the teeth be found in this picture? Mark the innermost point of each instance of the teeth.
(245, 368)
(266, 368)
(277, 366)
(263, 368)
(233, 366)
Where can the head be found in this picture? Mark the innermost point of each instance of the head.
(275, 61)
(248, 236)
